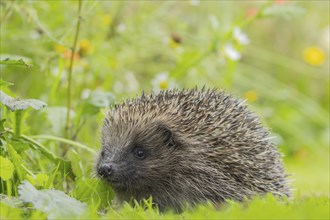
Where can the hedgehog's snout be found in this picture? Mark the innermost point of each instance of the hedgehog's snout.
(105, 170)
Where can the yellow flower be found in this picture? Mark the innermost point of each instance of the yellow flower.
(60, 48)
(173, 44)
(163, 85)
(106, 20)
(162, 82)
(175, 41)
(85, 47)
(251, 95)
(314, 56)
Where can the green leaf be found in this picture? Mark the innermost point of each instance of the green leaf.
(6, 168)
(92, 105)
(64, 164)
(11, 201)
(77, 167)
(2, 127)
(55, 203)
(101, 99)
(20, 145)
(67, 141)
(6, 59)
(41, 179)
(93, 191)
(4, 83)
(38, 180)
(7, 211)
(17, 161)
(16, 104)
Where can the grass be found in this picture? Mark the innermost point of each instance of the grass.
(87, 55)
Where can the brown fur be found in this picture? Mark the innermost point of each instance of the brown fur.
(199, 146)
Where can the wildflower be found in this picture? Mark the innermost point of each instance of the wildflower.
(314, 56)
(251, 95)
(106, 20)
(66, 52)
(240, 36)
(60, 48)
(85, 93)
(84, 47)
(67, 55)
(174, 41)
(162, 81)
(121, 27)
(176, 38)
(231, 53)
(214, 22)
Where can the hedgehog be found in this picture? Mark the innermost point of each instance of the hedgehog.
(186, 147)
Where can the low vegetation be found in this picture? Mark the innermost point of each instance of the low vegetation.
(63, 63)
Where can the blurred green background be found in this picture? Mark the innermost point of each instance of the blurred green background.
(275, 54)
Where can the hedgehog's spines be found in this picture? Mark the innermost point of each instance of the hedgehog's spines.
(225, 151)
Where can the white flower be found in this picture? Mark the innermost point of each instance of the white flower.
(85, 93)
(230, 52)
(240, 36)
(121, 27)
(214, 22)
(162, 81)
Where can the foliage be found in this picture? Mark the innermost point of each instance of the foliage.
(14, 104)
(56, 204)
(14, 60)
(275, 54)
(7, 168)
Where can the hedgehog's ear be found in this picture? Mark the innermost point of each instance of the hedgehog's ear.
(167, 134)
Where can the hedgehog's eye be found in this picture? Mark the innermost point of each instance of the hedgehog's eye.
(102, 153)
(139, 153)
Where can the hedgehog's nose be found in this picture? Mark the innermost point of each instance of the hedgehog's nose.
(105, 170)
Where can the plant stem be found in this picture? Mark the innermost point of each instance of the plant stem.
(63, 140)
(229, 74)
(9, 187)
(39, 147)
(67, 125)
(18, 120)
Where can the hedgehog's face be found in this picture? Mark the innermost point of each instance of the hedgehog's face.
(135, 159)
